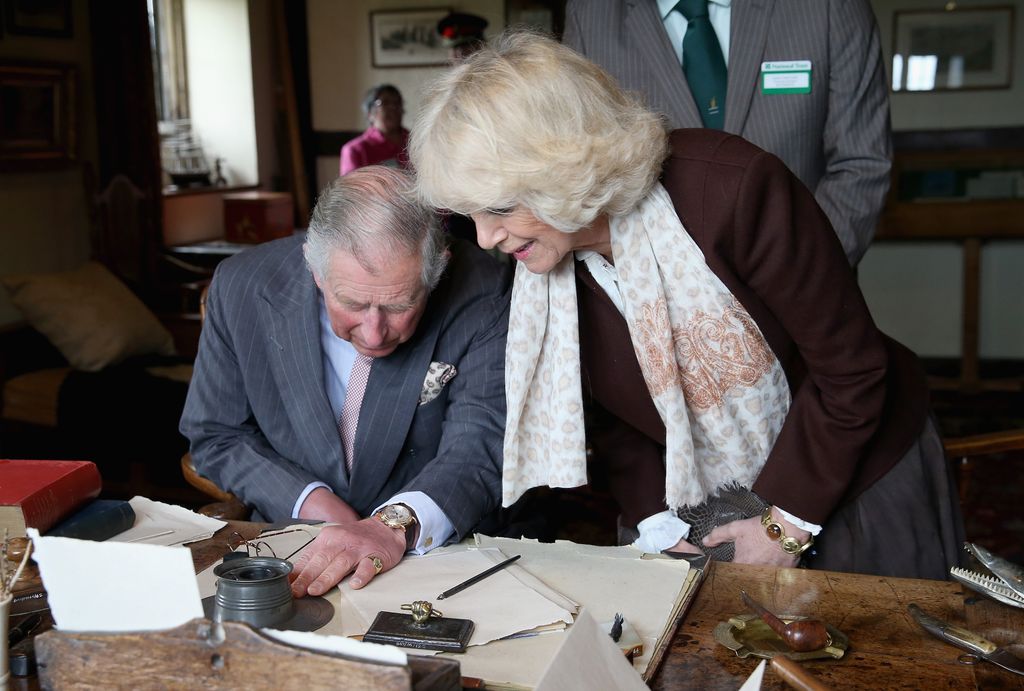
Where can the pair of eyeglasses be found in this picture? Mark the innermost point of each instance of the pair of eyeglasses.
(388, 104)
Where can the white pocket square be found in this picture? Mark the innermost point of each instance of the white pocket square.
(438, 375)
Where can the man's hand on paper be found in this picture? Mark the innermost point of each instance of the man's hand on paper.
(753, 546)
(341, 548)
(324, 505)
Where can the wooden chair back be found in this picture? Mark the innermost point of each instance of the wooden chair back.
(965, 451)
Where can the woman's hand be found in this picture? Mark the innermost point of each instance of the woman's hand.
(753, 546)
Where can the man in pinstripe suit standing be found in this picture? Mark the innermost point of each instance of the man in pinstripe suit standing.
(805, 81)
(356, 378)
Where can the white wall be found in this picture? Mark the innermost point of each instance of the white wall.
(220, 85)
(915, 289)
(341, 69)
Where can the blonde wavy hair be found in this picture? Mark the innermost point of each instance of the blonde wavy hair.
(529, 122)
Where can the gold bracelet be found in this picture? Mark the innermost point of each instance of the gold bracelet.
(776, 533)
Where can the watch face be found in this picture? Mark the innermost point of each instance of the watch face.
(396, 514)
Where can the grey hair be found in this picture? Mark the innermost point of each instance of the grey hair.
(372, 215)
(529, 122)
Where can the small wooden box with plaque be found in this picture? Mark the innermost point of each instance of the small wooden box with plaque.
(257, 216)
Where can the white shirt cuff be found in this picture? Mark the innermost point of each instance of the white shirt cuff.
(305, 493)
(435, 528)
(812, 528)
(661, 531)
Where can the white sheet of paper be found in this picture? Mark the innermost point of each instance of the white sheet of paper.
(499, 605)
(157, 523)
(753, 682)
(112, 586)
(590, 659)
(370, 652)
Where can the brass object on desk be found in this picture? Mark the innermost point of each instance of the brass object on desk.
(425, 628)
(801, 635)
(748, 634)
(422, 610)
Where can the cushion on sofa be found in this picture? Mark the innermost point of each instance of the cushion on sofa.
(89, 315)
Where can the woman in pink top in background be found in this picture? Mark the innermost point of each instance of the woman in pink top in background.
(384, 141)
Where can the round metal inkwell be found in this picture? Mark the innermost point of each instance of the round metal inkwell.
(255, 591)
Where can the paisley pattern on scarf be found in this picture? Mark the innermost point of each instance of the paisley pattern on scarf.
(716, 384)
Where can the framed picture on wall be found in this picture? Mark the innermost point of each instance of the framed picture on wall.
(952, 50)
(545, 15)
(407, 38)
(48, 18)
(37, 116)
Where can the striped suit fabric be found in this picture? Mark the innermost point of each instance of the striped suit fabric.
(260, 422)
(836, 139)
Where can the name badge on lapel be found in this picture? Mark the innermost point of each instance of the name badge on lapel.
(786, 77)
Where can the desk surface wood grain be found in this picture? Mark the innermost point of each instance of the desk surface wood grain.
(887, 648)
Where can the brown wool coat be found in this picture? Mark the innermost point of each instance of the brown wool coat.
(859, 398)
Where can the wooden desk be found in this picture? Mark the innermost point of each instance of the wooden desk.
(887, 647)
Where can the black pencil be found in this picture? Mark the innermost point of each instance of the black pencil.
(477, 578)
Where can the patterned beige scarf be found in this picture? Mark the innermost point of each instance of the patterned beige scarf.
(717, 385)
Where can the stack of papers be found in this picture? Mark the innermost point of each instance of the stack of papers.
(157, 523)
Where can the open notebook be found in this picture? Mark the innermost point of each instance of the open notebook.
(652, 593)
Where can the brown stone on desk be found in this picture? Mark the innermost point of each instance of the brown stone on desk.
(258, 216)
(200, 654)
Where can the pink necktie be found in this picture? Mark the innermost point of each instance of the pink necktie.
(353, 402)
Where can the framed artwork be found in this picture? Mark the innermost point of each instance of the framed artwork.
(407, 38)
(37, 116)
(48, 18)
(953, 50)
(546, 15)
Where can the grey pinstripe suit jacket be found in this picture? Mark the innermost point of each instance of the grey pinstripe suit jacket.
(261, 425)
(836, 139)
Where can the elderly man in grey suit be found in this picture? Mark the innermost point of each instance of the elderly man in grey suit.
(804, 81)
(357, 379)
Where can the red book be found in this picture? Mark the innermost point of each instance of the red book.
(37, 494)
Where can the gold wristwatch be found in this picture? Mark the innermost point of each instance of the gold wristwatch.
(399, 517)
(775, 532)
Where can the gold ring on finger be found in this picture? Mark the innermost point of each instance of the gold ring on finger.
(378, 564)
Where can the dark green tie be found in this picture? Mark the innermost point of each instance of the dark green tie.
(703, 63)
